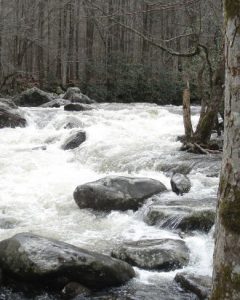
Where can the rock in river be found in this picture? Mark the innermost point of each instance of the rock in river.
(164, 254)
(197, 284)
(74, 140)
(35, 259)
(74, 95)
(77, 107)
(180, 184)
(10, 115)
(116, 193)
(32, 97)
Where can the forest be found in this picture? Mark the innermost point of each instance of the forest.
(119, 149)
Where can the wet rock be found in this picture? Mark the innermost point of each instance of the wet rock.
(56, 103)
(40, 148)
(116, 193)
(180, 184)
(164, 254)
(74, 95)
(182, 168)
(11, 118)
(32, 97)
(183, 218)
(74, 289)
(7, 104)
(202, 220)
(77, 107)
(74, 140)
(38, 260)
(199, 285)
(8, 223)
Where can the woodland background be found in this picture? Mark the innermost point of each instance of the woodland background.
(110, 48)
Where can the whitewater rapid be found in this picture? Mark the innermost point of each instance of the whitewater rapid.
(123, 139)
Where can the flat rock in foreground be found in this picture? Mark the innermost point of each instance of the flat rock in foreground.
(116, 193)
(35, 259)
(197, 284)
(164, 254)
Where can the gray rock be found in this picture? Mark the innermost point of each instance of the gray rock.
(7, 104)
(184, 218)
(74, 140)
(164, 254)
(180, 184)
(40, 148)
(74, 95)
(198, 285)
(73, 289)
(8, 223)
(11, 118)
(35, 259)
(32, 97)
(56, 103)
(77, 107)
(116, 193)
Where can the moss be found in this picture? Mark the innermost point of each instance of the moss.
(229, 211)
(227, 282)
(232, 8)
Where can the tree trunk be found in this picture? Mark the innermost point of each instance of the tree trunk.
(226, 275)
(187, 114)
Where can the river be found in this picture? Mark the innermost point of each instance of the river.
(122, 139)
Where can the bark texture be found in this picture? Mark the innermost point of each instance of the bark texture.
(226, 275)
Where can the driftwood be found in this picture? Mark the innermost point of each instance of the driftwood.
(199, 149)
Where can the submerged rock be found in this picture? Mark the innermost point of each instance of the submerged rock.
(35, 259)
(74, 140)
(32, 97)
(164, 254)
(183, 218)
(56, 103)
(116, 193)
(180, 184)
(197, 284)
(77, 107)
(74, 95)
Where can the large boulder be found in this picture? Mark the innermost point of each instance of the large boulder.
(116, 193)
(32, 97)
(197, 284)
(56, 103)
(74, 95)
(74, 140)
(35, 259)
(9, 115)
(77, 107)
(163, 254)
(180, 184)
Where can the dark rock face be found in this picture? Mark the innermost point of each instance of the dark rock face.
(165, 254)
(77, 107)
(184, 218)
(35, 259)
(9, 115)
(32, 97)
(74, 95)
(180, 184)
(73, 289)
(56, 103)
(74, 140)
(198, 285)
(202, 220)
(116, 193)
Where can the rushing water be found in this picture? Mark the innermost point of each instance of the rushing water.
(134, 140)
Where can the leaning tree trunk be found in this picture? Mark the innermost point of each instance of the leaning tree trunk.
(226, 275)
